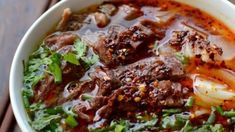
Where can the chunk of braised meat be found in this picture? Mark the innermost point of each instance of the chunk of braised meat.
(149, 69)
(108, 9)
(65, 19)
(169, 94)
(116, 90)
(59, 40)
(125, 46)
(195, 43)
(130, 12)
(46, 90)
(49, 91)
(101, 19)
(72, 22)
(100, 84)
(143, 97)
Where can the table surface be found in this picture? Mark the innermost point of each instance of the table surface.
(15, 18)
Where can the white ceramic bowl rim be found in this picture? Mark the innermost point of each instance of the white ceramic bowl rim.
(221, 9)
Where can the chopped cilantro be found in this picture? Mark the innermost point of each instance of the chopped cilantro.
(127, 126)
(175, 122)
(54, 67)
(80, 48)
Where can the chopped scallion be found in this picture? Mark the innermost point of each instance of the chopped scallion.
(172, 111)
(211, 118)
(55, 110)
(218, 109)
(71, 58)
(71, 121)
(229, 113)
(86, 97)
(189, 102)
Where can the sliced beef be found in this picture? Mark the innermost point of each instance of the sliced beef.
(136, 98)
(149, 69)
(100, 84)
(108, 9)
(72, 21)
(135, 87)
(123, 46)
(101, 19)
(169, 94)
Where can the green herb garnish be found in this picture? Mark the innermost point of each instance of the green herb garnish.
(71, 121)
(54, 67)
(189, 102)
(175, 122)
(71, 58)
(212, 117)
(86, 97)
(182, 58)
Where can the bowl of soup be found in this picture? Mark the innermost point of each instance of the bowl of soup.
(125, 65)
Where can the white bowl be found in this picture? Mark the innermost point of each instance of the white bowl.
(220, 9)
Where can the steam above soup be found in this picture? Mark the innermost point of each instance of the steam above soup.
(133, 66)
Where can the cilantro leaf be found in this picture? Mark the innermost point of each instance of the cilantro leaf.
(34, 72)
(89, 61)
(80, 48)
(42, 120)
(54, 67)
(175, 121)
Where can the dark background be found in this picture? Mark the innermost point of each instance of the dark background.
(15, 18)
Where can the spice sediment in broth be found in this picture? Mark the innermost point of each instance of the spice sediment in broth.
(133, 66)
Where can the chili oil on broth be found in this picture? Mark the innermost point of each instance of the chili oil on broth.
(120, 91)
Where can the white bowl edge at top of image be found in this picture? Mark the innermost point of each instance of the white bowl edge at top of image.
(220, 9)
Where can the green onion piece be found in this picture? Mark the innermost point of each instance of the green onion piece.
(233, 119)
(156, 44)
(71, 121)
(26, 101)
(211, 118)
(71, 58)
(172, 111)
(54, 111)
(182, 58)
(54, 67)
(218, 109)
(187, 127)
(229, 113)
(189, 102)
(119, 128)
(174, 122)
(86, 97)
